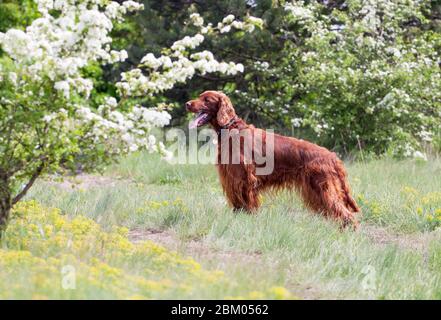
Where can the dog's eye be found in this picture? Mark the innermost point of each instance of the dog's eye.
(206, 99)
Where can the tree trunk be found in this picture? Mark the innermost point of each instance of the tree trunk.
(6, 199)
(5, 205)
(4, 217)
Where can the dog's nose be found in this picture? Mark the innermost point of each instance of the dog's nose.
(188, 105)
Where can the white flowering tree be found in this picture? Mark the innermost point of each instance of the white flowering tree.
(361, 77)
(46, 120)
(366, 77)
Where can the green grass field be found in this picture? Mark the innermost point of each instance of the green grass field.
(396, 254)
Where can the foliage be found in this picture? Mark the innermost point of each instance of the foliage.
(366, 77)
(45, 118)
(14, 13)
(177, 64)
(351, 75)
(167, 21)
(354, 75)
(48, 119)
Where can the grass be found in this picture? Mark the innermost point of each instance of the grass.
(396, 254)
(46, 255)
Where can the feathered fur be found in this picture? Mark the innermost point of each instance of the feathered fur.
(315, 172)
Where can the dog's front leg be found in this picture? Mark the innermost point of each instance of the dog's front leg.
(240, 186)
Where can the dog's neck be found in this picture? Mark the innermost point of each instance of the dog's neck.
(231, 123)
(234, 123)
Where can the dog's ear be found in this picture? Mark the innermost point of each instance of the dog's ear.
(226, 111)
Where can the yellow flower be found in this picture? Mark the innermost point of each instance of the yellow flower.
(44, 246)
(32, 227)
(410, 190)
(48, 229)
(256, 295)
(280, 293)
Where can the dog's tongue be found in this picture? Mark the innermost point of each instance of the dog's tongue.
(198, 120)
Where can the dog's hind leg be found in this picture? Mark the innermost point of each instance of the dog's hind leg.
(323, 193)
(345, 190)
(337, 209)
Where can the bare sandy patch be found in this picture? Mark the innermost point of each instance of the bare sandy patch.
(415, 241)
(192, 247)
(203, 251)
(83, 181)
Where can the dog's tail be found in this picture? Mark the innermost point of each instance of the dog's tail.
(348, 200)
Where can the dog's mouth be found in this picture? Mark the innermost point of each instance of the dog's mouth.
(200, 119)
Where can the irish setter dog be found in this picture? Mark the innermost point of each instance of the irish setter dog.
(315, 172)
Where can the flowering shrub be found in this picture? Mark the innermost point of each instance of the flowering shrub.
(366, 80)
(178, 64)
(47, 120)
(41, 244)
(353, 75)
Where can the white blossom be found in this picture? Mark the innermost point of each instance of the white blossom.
(196, 20)
(56, 47)
(419, 155)
(228, 19)
(64, 87)
(180, 65)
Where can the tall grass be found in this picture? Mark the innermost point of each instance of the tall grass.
(399, 200)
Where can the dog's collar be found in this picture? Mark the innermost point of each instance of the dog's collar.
(231, 122)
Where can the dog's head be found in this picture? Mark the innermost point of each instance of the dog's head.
(211, 107)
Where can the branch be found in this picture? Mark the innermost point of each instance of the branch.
(20, 165)
(241, 55)
(214, 78)
(31, 181)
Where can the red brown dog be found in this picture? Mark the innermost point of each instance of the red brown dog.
(318, 174)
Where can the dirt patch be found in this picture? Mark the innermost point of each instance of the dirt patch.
(83, 182)
(194, 248)
(415, 241)
(220, 259)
